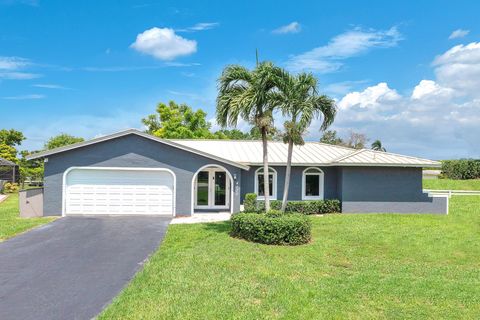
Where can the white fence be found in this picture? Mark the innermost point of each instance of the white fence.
(450, 193)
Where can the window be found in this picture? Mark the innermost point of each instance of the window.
(312, 184)
(260, 186)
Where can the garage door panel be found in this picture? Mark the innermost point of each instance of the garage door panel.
(105, 191)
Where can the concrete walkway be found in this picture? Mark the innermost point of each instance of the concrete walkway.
(203, 218)
(73, 267)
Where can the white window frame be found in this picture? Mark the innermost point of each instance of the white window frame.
(320, 175)
(274, 183)
(211, 190)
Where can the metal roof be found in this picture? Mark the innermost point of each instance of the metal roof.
(7, 163)
(311, 153)
(241, 153)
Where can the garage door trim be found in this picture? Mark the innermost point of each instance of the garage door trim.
(65, 174)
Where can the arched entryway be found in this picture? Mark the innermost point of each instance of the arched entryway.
(212, 190)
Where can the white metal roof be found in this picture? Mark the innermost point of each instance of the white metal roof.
(242, 153)
(312, 153)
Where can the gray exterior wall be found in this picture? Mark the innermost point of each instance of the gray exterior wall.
(131, 151)
(295, 188)
(386, 189)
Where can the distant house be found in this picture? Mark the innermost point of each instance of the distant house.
(132, 172)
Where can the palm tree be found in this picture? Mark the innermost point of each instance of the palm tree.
(246, 94)
(377, 146)
(298, 98)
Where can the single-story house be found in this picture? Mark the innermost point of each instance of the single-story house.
(132, 172)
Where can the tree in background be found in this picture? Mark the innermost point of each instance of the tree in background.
(61, 140)
(377, 146)
(233, 134)
(8, 152)
(331, 137)
(30, 170)
(246, 94)
(356, 140)
(179, 121)
(11, 137)
(297, 96)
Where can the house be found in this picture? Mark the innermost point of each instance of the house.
(132, 172)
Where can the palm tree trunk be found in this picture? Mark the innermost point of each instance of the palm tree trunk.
(266, 189)
(287, 175)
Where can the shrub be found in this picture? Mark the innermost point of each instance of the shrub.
(250, 202)
(272, 228)
(461, 169)
(304, 207)
(274, 213)
(10, 187)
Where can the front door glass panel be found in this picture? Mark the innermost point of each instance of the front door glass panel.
(220, 188)
(202, 188)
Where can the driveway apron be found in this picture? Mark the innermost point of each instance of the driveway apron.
(73, 267)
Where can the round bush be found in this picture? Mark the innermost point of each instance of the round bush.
(272, 228)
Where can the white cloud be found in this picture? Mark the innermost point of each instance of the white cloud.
(13, 63)
(163, 44)
(459, 68)
(200, 27)
(343, 87)
(293, 27)
(10, 69)
(19, 75)
(429, 89)
(459, 33)
(371, 97)
(49, 86)
(439, 119)
(26, 97)
(352, 43)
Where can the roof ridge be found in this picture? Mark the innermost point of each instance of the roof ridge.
(269, 141)
(397, 154)
(353, 153)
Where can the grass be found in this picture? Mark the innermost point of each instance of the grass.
(10, 223)
(357, 267)
(449, 184)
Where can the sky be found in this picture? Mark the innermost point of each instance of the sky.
(404, 72)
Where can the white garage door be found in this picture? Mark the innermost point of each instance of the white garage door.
(115, 191)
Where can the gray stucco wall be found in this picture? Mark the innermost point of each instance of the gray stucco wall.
(131, 151)
(295, 188)
(386, 189)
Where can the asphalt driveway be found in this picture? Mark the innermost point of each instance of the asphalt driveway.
(73, 267)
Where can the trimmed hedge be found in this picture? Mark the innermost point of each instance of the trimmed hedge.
(272, 228)
(250, 202)
(461, 169)
(305, 207)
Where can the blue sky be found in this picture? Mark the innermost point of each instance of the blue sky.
(403, 72)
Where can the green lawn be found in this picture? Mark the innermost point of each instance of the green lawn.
(357, 267)
(449, 184)
(10, 223)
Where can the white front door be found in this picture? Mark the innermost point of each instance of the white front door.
(119, 191)
(212, 189)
